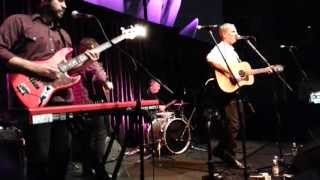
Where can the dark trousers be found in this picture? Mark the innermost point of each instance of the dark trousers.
(230, 127)
(91, 137)
(47, 150)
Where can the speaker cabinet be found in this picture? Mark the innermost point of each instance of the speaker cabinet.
(306, 164)
(11, 154)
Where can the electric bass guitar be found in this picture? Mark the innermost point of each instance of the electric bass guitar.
(246, 74)
(35, 92)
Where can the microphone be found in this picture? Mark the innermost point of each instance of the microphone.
(239, 37)
(282, 46)
(210, 26)
(76, 14)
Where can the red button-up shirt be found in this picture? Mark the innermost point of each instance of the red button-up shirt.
(31, 37)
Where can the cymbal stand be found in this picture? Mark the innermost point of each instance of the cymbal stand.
(188, 125)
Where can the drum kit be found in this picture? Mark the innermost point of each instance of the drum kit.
(170, 131)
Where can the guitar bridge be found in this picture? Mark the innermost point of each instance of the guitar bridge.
(23, 89)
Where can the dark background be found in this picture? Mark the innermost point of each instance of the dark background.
(180, 61)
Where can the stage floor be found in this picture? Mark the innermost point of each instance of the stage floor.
(192, 163)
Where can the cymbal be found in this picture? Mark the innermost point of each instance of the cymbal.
(165, 114)
(181, 104)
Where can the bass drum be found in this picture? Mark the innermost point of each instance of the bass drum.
(172, 135)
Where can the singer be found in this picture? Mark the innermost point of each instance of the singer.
(231, 73)
(39, 37)
(228, 104)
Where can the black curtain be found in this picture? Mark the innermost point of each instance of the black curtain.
(177, 61)
(180, 62)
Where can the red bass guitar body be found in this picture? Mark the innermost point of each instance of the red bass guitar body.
(36, 92)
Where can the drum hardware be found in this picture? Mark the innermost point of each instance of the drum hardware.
(188, 125)
(159, 148)
(170, 134)
(183, 135)
(165, 115)
(181, 104)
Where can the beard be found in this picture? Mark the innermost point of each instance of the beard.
(55, 13)
(59, 14)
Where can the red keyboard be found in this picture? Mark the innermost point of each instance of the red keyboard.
(49, 114)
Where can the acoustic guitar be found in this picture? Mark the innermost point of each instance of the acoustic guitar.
(246, 74)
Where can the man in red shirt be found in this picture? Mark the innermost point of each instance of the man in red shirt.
(23, 40)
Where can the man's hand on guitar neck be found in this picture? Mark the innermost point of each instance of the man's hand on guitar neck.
(51, 70)
(93, 55)
(271, 69)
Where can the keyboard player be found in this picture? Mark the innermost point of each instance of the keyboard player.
(90, 129)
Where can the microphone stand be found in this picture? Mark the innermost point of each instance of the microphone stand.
(275, 97)
(269, 65)
(240, 111)
(296, 61)
(305, 78)
(140, 112)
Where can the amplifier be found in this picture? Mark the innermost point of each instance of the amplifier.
(12, 159)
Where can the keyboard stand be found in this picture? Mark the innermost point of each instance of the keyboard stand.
(139, 115)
